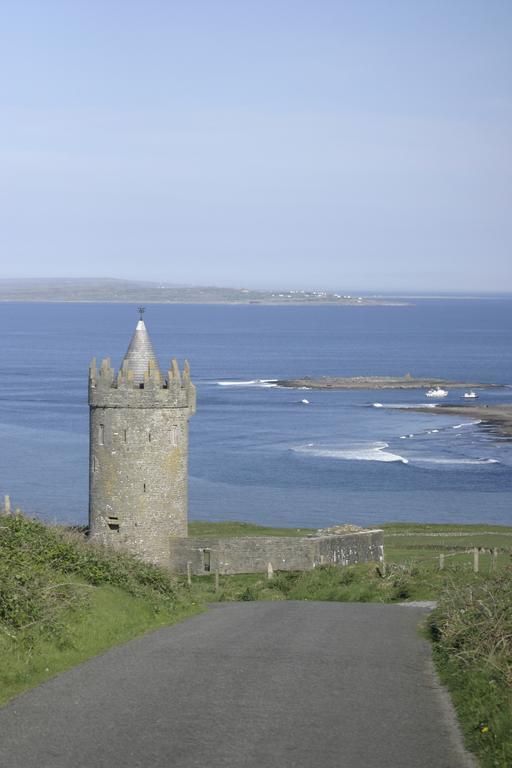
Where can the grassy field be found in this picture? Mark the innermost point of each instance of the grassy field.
(63, 600)
(233, 529)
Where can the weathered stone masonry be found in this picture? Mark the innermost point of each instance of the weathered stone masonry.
(252, 554)
(139, 452)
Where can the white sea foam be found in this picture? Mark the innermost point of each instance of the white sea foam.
(434, 460)
(252, 383)
(467, 424)
(404, 406)
(353, 452)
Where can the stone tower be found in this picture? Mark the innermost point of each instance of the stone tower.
(138, 465)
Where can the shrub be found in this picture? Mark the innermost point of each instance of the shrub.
(45, 571)
(474, 624)
(472, 634)
(249, 594)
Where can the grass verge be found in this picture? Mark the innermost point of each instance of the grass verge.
(471, 631)
(63, 600)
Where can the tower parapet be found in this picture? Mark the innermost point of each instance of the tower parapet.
(123, 391)
(139, 451)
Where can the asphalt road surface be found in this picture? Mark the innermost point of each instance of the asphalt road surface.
(247, 685)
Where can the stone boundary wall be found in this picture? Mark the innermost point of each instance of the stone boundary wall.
(252, 554)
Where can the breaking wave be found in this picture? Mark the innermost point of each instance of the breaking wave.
(467, 424)
(455, 461)
(354, 452)
(404, 406)
(252, 383)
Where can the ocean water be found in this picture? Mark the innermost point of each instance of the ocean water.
(257, 453)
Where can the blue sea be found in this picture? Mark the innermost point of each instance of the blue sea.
(257, 453)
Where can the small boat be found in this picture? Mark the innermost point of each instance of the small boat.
(470, 395)
(437, 392)
(305, 402)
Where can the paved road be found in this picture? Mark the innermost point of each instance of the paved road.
(248, 685)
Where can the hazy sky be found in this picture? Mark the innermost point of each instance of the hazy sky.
(343, 144)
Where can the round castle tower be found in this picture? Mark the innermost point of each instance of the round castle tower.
(138, 465)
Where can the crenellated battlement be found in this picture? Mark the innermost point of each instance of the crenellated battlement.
(175, 390)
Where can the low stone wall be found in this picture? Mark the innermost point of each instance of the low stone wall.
(252, 554)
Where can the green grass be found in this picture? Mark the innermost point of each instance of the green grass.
(484, 708)
(352, 584)
(229, 530)
(63, 600)
(357, 583)
(407, 542)
(471, 631)
(422, 528)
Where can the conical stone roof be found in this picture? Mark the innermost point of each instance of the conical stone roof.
(140, 353)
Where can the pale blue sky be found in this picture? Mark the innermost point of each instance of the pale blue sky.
(352, 144)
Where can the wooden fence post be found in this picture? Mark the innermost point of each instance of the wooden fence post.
(494, 558)
(476, 554)
(189, 573)
(7, 504)
(441, 562)
(217, 578)
(270, 571)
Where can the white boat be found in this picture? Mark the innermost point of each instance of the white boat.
(437, 392)
(305, 402)
(470, 395)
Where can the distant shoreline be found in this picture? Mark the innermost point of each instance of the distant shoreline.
(113, 290)
(117, 291)
(207, 302)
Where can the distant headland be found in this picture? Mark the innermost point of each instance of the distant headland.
(379, 382)
(113, 290)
